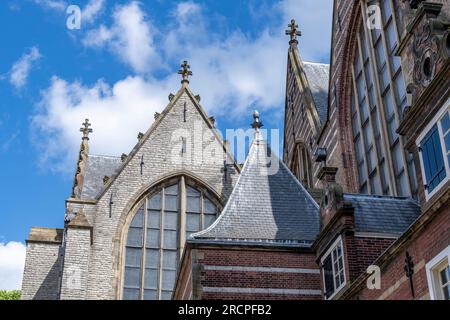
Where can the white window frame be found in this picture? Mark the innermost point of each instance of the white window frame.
(433, 268)
(330, 250)
(436, 120)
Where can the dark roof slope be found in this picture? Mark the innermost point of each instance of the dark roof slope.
(318, 78)
(96, 168)
(383, 214)
(265, 208)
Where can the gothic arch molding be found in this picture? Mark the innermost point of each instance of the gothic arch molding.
(132, 205)
(344, 96)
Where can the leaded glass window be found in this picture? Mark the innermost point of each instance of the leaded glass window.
(379, 97)
(156, 235)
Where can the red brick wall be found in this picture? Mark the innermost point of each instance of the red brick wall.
(425, 246)
(361, 252)
(256, 279)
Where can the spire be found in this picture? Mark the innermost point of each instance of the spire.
(185, 72)
(293, 32)
(82, 160)
(85, 129)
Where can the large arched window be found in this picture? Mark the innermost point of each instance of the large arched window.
(157, 233)
(301, 165)
(379, 98)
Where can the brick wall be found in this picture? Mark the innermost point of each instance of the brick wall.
(423, 247)
(42, 271)
(361, 252)
(227, 273)
(76, 263)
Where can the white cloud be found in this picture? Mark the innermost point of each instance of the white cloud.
(22, 67)
(130, 37)
(12, 262)
(117, 114)
(92, 9)
(233, 73)
(59, 5)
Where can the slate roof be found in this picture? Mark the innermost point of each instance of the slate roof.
(96, 168)
(383, 214)
(318, 79)
(265, 208)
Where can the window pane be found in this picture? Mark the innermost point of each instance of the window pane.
(170, 220)
(391, 37)
(132, 277)
(388, 104)
(445, 123)
(152, 258)
(375, 184)
(445, 275)
(152, 238)
(153, 219)
(138, 219)
(150, 295)
(381, 58)
(134, 237)
(151, 279)
(192, 192)
(364, 111)
(400, 90)
(385, 9)
(173, 190)
(397, 158)
(131, 294)
(166, 295)
(133, 257)
(155, 202)
(193, 222)
(170, 239)
(402, 184)
(171, 203)
(193, 204)
(208, 206)
(208, 219)
(168, 279)
(170, 259)
(328, 275)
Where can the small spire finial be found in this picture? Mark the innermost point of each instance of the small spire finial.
(293, 32)
(185, 72)
(257, 124)
(85, 129)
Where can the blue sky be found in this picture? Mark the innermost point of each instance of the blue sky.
(117, 70)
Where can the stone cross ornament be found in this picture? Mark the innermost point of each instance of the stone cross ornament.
(293, 32)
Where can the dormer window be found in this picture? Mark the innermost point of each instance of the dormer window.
(333, 270)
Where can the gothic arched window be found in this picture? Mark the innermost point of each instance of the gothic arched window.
(379, 98)
(156, 236)
(301, 165)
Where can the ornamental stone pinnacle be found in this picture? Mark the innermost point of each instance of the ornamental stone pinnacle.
(293, 32)
(185, 72)
(85, 129)
(257, 124)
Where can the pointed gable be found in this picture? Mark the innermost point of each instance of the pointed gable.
(313, 78)
(265, 208)
(317, 75)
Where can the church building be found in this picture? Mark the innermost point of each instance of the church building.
(357, 208)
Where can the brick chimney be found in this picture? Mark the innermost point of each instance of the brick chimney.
(333, 195)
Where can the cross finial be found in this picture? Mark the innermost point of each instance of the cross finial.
(293, 32)
(257, 124)
(185, 72)
(85, 129)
